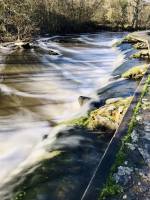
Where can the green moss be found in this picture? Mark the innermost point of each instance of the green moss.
(116, 44)
(111, 188)
(110, 115)
(82, 122)
(141, 54)
(140, 45)
(20, 195)
(126, 39)
(135, 72)
(130, 39)
(136, 55)
(132, 123)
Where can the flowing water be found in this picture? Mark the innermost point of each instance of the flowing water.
(38, 159)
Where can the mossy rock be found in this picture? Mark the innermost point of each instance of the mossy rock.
(53, 53)
(81, 122)
(135, 72)
(140, 45)
(110, 115)
(141, 54)
(118, 43)
(83, 100)
(126, 39)
(130, 39)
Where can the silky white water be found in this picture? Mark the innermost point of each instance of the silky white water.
(39, 90)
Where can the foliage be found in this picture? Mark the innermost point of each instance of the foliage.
(111, 189)
(21, 19)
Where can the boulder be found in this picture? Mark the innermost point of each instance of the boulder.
(140, 45)
(110, 115)
(113, 100)
(83, 100)
(26, 46)
(141, 54)
(97, 121)
(135, 72)
(130, 39)
(54, 53)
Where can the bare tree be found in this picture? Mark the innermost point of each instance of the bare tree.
(137, 7)
(18, 21)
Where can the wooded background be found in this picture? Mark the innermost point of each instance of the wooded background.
(22, 19)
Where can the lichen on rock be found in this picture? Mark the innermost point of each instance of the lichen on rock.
(135, 72)
(123, 175)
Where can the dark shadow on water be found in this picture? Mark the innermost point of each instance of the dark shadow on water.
(66, 176)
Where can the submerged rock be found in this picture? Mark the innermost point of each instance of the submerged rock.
(23, 45)
(26, 46)
(66, 40)
(54, 53)
(135, 72)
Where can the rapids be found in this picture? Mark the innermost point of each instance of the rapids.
(37, 92)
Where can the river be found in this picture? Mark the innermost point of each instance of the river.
(40, 160)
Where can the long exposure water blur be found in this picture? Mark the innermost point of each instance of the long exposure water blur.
(37, 92)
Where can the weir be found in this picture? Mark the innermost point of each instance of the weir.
(103, 169)
(39, 92)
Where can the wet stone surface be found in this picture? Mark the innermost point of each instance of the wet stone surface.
(134, 174)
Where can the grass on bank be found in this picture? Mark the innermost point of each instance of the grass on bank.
(111, 188)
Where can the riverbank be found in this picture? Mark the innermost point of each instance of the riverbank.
(132, 178)
(129, 176)
(86, 28)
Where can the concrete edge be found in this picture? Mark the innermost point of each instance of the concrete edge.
(100, 175)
